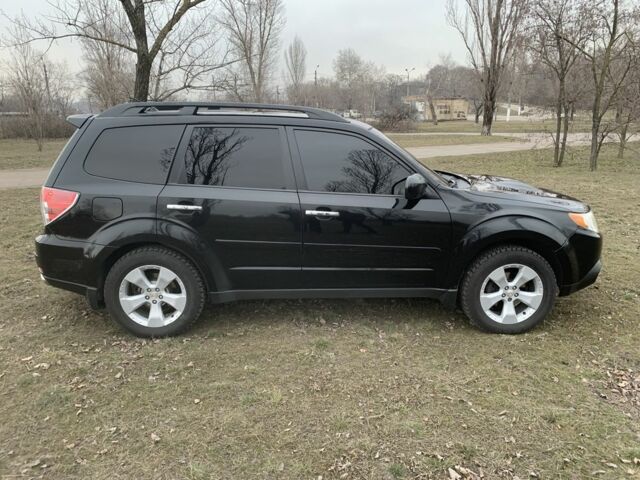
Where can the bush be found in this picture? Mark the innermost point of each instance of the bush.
(398, 119)
(22, 127)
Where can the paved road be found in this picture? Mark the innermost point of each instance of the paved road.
(34, 177)
(25, 177)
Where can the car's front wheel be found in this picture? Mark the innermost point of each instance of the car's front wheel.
(508, 289)
(154, 292)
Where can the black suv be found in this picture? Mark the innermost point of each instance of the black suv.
(154, 208)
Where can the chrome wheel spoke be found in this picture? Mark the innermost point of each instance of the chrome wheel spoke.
(132, 303)
(488, 300)
(138, 278)
(165, 277)
(524, 275)
(156, 317)
(508, 314)
(531, 299)
(176, 300)
(499, 277)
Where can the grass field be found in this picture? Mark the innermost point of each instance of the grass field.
(355, 389)
(408, 141)
(18, 153)
(501, 126)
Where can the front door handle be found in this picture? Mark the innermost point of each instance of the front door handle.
(321, 213)
(187, 208)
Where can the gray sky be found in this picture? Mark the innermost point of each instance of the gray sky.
(394, 33)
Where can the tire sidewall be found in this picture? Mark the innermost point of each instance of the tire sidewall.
(163, 258)
(488, 264)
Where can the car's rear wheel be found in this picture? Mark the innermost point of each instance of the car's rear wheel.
(154, 292)
(508, 289)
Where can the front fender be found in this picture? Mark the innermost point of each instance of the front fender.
(539, 235)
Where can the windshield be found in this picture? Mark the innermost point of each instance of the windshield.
(384, 139)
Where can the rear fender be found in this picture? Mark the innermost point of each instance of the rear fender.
(115, 239)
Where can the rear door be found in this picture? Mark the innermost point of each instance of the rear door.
(234, 185)
(359, 230)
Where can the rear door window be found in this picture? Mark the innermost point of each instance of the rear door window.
(137, 154)
(246, 157)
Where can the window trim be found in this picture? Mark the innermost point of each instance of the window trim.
(103, 130)
(177, 168)
(303, 186)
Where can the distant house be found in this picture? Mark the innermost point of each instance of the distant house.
(449, 108)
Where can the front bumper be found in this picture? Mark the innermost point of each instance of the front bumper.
(582, 262)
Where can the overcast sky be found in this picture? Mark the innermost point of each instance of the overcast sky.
(398, 34)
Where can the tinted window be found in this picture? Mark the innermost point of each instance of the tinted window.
(136, 154)
(342, 163)
(234, 157)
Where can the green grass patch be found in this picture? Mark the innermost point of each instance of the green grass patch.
(19, 153)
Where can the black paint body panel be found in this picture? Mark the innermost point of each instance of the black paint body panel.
(261, 243)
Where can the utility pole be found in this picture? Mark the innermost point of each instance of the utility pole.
(315, 83)
(408, 74)
(277, 93)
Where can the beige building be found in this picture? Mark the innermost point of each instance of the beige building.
(452, 108)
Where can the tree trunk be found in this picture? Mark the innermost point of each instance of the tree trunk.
(488, 111)
(556, 138)
(143, 73)
(593, 156)
(565, 134)
(623, 140)
(432, 109)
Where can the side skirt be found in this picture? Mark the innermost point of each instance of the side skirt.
(447, 297)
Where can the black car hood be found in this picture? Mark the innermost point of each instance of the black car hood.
(516, 189)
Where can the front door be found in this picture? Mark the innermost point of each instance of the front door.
(234, 186)
(359, 230)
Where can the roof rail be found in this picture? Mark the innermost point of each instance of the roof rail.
(217, 108)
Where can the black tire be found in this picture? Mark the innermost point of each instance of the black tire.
(493, 259)
(162, 257)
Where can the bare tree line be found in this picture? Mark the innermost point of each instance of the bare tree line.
(568, 54)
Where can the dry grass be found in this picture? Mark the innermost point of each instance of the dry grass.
(408, 141)
(501, 126)
(357, 389)
(18, 153)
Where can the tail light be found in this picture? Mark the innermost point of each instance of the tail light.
(56, 202)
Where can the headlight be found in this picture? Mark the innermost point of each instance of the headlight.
(585, 220)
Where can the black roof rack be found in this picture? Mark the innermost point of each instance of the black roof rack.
(216, 108)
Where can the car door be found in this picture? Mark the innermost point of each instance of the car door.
(359, 230)
(234, 186)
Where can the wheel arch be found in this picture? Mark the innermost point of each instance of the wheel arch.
(531, 233)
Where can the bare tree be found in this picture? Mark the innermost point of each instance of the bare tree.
(191, 59)
(41, 87)
(254, 28)
(555, 21)
(628, 108)
(109, 73)
(610, 51)
(150, 22)
(490, 30)
(354, 76)
(295, 58)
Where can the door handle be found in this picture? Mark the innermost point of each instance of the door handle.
(321, 213)
(187, 208)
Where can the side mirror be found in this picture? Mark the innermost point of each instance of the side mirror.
(415, 186)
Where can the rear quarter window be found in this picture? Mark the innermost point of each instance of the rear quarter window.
(136, 154)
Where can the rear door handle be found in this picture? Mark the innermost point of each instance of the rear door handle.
(321, 213)
(187, 208)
